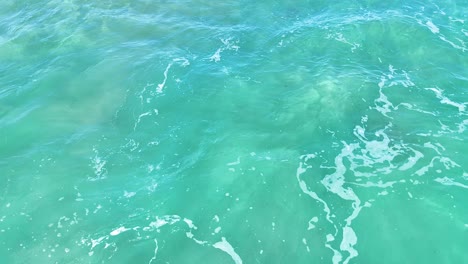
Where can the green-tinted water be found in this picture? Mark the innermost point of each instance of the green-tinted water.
(233, 132)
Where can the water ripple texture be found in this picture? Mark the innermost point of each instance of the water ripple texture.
(233, 131)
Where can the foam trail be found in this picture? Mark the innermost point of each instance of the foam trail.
(447, 101)
(226, 247)
(349, 240)
(98, 165)
(433, 28)
(462, 48)
(337, 257)
(303, 186)
(411, 161)
(155, 252)
(450, 182)
(139, 119)
(183, 61)
(160, 87)
(385, 105)
(228, 45)
(216, 56)
(334, 183)
(424, 169)
(118, 231)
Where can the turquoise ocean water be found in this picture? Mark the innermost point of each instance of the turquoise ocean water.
(233, 131)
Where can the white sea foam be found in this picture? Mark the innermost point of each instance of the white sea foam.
(450, 182)
(216, 56)
(190, 223)
(304, 241)
(237, 162)
(313, 195)
(155, 253)
(118, 231)
(229, 44)
(164, 220)
(445, 100)
(226, 247)
(446, 162)
(184, 62)
(129, 194)
(339, 37)
(98, 164)
(312, 223)
(160, 87)
(348, 243)
(139, 119)
(433, 28)
(334, 183)
(411, 161)
(456, 46)
(382, 104)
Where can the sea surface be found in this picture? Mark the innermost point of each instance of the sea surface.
(144, 131)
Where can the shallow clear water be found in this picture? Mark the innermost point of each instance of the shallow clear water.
(233, 131)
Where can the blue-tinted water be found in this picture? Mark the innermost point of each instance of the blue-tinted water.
(233, 131)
